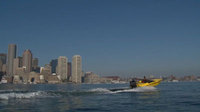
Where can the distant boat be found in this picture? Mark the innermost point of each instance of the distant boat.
(175, 81)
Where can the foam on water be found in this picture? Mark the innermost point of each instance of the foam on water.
(139, 89)
(6, 96)
(101, 90)
(12, 94)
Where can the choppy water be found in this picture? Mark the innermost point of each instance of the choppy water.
(167, 97)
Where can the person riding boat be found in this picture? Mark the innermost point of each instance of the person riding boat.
(133, 84)
(146, 80)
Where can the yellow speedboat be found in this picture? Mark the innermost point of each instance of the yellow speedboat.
(153, 82)
(142, 83)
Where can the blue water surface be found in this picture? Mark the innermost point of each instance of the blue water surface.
(166, 97)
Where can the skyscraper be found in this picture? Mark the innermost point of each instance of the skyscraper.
(76, 69)
(35, 66)
(20, 61)
(1, 65)
(62, 67)
(27, 60)
(34, 63)
(12, 49)
(16, 65)
(3, 58)
(53, 65)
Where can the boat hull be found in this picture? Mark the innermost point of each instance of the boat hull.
(154, 82)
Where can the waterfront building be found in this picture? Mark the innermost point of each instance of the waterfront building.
(53, 79)
(35, 66)
(1, 65)
(20, 61)
(46, 71)
(35, 62)
(12, 49)
(27, 60)
(2, 61)
(37, 69)
(76, 69)
(91, 78)
(110, 79)
(16, 79)
(20, 71)
(53, 65)
(62, 67)
(3, 58)
(15, 65)
(3, 69)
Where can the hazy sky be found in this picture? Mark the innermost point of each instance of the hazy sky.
(114, 37)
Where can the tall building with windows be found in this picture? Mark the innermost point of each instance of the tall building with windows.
(3, 58)
(20, 61)
(1, 65)
(35, 62)
(62, 67)
(27, 60)
(76, 69)
(12, 49)
(35, 66)
(53, 65)
(16, 65)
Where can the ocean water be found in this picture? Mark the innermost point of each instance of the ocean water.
(166, 97)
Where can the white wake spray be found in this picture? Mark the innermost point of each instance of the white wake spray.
(139, 89)
(6, 96)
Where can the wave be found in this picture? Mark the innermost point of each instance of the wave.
(16, 94)
(6, 96)
(100, 90)
(139, 89)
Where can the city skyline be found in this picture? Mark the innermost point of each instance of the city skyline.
(122, 38)
(25, 69)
